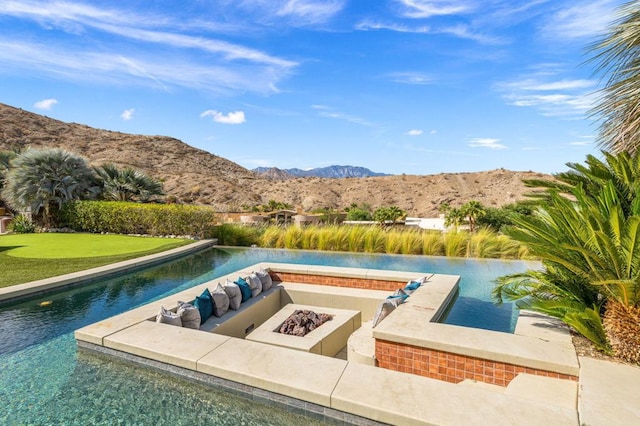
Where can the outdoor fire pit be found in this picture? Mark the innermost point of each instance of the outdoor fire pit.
(303, 321)
(323, 333)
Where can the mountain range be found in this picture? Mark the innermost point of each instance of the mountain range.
(335, 172)
(197, 176)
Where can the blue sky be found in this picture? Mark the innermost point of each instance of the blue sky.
(398, 86)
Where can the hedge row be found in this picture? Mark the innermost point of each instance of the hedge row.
(134, 218)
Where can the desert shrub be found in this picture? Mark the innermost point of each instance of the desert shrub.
(455, 243)
(269, 237)
(238, 235)
(355, 238)
(325, 238)
(22, 224)
(134, 218)
(393, 242)
(292, 237)
(432, 243)
(374, 240)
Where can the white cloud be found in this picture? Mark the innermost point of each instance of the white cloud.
(409, 77)
(46, 104)
(414, 132)
(346, 117)
(427, 8)
(583, 141)
(127, 114)
(400, 28)
(565, 98)
(328, 112)
(235, 117)
(584, 19)
(205, 62)
(296, 13)
(311, 11)
(433, 132)
(486, 143)
(466, 32)
(146, 70)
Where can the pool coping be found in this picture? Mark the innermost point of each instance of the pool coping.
(20, 291)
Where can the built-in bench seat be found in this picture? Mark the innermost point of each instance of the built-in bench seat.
(252, 313)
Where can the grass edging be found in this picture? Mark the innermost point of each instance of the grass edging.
(18, 291)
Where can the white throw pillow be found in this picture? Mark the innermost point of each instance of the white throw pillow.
(255, 284)
(234, 293)
(265, 279)
(220, 301)
(189, 314)
(165, 316)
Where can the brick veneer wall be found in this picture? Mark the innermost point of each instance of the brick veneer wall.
(363, 283)
(451, 367)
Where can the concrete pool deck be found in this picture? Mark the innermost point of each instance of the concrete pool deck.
(351, 392)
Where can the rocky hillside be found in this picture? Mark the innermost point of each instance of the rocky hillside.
(197, 176)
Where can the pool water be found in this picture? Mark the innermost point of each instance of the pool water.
(45, 381)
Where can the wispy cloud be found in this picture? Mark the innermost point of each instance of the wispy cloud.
(215, 64)
(146, 70)
(414, 132)
(428, 8)
(566, 98)
(127, 114)
(46, 104)
(583, 19)
(235, 117)
(328, 112)
(409, 77)
(413, 10)
(583, 141)
(467, 32)
(296, 12)
(400, 28)
(486, 143)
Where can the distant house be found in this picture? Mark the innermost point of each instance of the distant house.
(282, 217)
(435, 223)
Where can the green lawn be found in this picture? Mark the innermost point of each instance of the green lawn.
(29, 257)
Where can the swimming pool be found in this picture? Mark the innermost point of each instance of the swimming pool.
(43, 380)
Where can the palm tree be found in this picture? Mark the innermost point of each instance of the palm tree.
(589, 244)
(388, 215)
(43, 180)
(5, 163)
(472, 211)
(127, 184)
(618, 54)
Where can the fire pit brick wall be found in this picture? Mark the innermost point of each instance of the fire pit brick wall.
(364, 283)
(450, 367)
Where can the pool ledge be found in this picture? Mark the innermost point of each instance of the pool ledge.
(326, 388)
(40, 286)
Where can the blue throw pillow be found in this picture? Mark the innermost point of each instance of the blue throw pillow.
(399, 294)
(245, 288)
(413, 285)
(204, 303)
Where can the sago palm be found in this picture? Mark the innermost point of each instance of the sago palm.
(589, 245)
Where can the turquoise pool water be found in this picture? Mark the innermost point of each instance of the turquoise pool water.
(45, 381)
